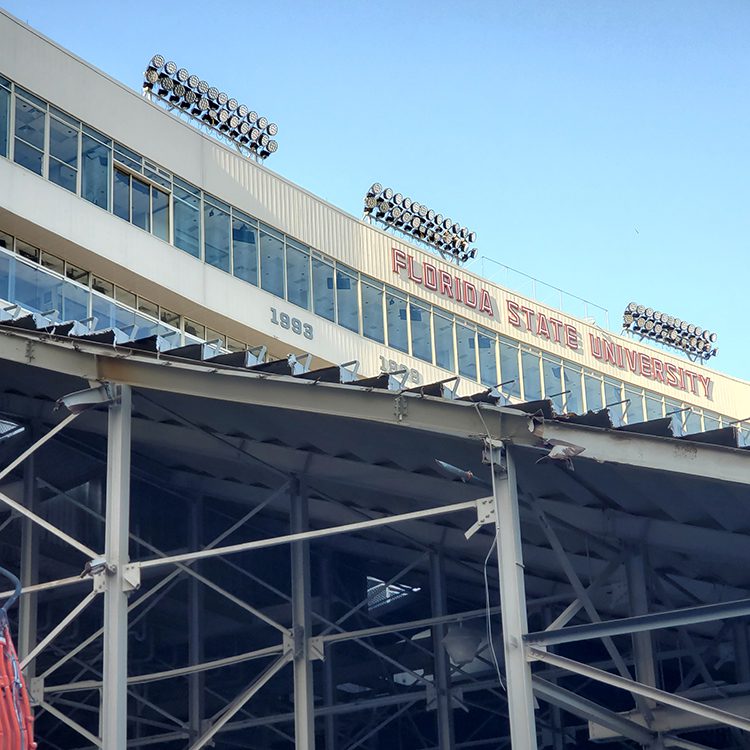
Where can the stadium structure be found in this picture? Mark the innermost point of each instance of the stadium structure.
(272, 476)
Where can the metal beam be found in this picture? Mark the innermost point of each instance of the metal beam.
(652, 693)
(27, 614)
(114, 701)
(642, 623)
(439, 601)
(308, 535)
(304, 699)
(512, 597)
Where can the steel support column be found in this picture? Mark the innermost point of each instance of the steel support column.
(195, 634)
(304, 710)
(512, 597)
(643, 648)
(329, 688)
(114, 692)
(444, 711)
(29, 568)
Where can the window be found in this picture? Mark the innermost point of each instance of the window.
(187, 218)
(466, 345)
(4, 116)
(323, 290)
(121, 195)
(372, 311)
(710, 421)
(298, 274)
(245, 248)
(160, 214)
(141, 204)
(593, 385)
(634, 405)
(574, 396)
(445, 356)
(53, 263)
(421, 335)
(347, 298)
(552, 371)
(29, 142)
(96, 156)
(692, 422)
(395, 317)
(674, 409)
(217, 231)
(63, 153)
(271, 260)
(509, 369)
(654, 406)
(487, 343)
(613, 400)
(532, 381)
(195, 329)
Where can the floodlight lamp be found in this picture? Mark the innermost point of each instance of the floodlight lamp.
(375, 188)
(157, 61)
(232, 104)
(447, 224)
(252, 117)
(398, 199)
(473, 252)
(416, 207)
(223, 115)
(213, 93)
(407, 217)
(254, 134)
(388, 193)
(423, 211)
(193, 82)
(272, 146)
(262, 123)
(203, 103)
(649, 324)
(234, 122)
(627, 319)
(415, 222)
(408, 203)
(151, 76)
(182, 75)
(370, 202)
(166, 83)
(179, 92)
(641, 322)
(472, 236)
(658, 328)
(242, 110)
(222, 98)
(272, 128)
(203, 87)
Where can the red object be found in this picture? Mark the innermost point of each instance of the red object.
(16, 719)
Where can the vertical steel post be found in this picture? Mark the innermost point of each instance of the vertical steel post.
(304, 710)
(114, 704)
(329, 687)
(439, 599)
(512, 598)
(195, 635)
(643, 648)
(27, 615)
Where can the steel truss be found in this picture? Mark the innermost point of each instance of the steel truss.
(305, 635)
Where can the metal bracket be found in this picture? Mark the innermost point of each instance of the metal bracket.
(131, 577)
(317, 649)
(485, 515)
(400, 408)
(36, 690)
(494, 454)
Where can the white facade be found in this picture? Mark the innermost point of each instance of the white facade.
(37, 211)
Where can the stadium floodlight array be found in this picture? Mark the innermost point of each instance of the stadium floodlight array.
(415, 220)
(212, 108)
(666, 329)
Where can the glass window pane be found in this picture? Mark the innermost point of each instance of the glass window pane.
(95, 172)
(160, 214)
(30, 124)
(421, 335)
(466, 343)
(4, 121)
(594, 401)
(63, 142)
(372, 313)
(323, 293)
(272, 263)
(532, 383)
(710, 421)
(169, 317)
(147, 307)
(62, 175)
(347, 299)
(298, 275)
(552, 371)
(509, 370)
(187, 222)
(395, 316)
(487, 343)
(573, 384)
(37, 290)
(634, 405)
(121, 195)
(6, 241)
(673, 409)
(195, 329)
(27, 251)
(53, 263)
(444, 352)
(141, 205)
(28, 156)
(217, 230)
(692, 422)
(654, 406)
(103, 286)
(613, 400)
(75, 301)
(245, 250)
(76, 274)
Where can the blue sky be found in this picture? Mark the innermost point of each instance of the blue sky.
(599, 146)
